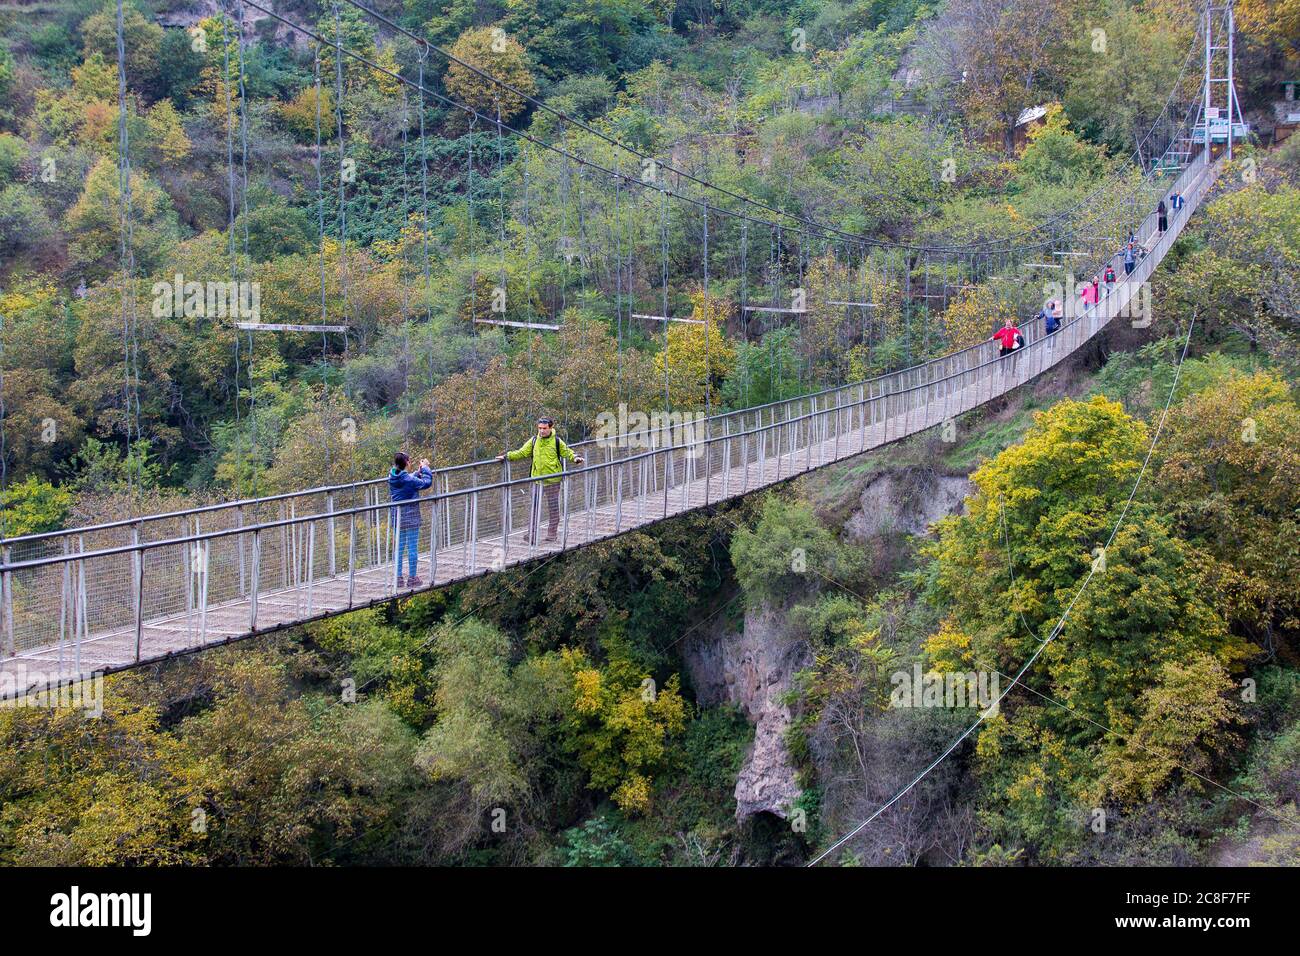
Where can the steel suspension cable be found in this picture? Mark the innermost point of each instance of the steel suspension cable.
(424, 258)
(613, 173)
(126, 239)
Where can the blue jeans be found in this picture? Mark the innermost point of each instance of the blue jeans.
(408, 546)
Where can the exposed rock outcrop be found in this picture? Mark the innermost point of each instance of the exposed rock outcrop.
(190, 14)
(752, 670)
(903, 502)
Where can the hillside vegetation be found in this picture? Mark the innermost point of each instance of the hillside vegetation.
(558, 714)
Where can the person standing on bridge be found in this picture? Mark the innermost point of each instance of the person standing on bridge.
(405, 486)
(1051, 314)
(1109, 278)
(545, 449)
(1008, 337)
(1130, 257)
(1088, 292)
(1162, 217)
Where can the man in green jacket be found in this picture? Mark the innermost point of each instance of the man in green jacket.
(546, 449)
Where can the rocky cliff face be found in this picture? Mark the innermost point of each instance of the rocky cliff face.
(189, 14)
(752, 669)
(895, 503)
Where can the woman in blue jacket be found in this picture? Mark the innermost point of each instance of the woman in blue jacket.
(406, 486)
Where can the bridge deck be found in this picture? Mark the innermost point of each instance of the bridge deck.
(69, 616)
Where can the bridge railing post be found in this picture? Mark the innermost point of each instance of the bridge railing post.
(593, 497)
(667, 474)
(311, 573)
(618, 495)
(708, 463)
(394, 518)
(435, 531)
(137, 591)
(532, 516)
(566, 497)
(352, 558)
(83, 620)
(257, 579)
(329, 504)
(471, 533)
(507, 511)
(726, 459)
(7, 601)
(243, 571)
(187, 569)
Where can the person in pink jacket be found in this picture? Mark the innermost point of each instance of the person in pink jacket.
(1088, 291)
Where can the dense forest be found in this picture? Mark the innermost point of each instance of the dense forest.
(682, 694)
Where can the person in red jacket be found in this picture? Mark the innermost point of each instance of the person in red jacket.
(1008, 338)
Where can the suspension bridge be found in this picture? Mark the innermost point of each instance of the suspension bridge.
(107, 597)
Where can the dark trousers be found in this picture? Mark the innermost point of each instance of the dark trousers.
(1128, 268)
(551, 494)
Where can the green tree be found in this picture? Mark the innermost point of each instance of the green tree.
(143, 45)
(95, 223)
(1039, 523)
(33, 506)
(787, 552)
(1107, 92)
(1228, 471)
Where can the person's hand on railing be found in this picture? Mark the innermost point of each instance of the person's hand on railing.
(578, 459)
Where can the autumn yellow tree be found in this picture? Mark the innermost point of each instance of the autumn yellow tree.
(619, 722)
(698, 356)
(972, 316)
(1275, 20)
(484, 410)
(493, 52)
(300, 114)
(1003, 51)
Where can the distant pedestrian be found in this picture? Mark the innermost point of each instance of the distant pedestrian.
(1130, 258)
(1088, 292)
(1176, 200)
(1109, 278)
(1051, 317)
(1008, 338)
(1162, 217)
